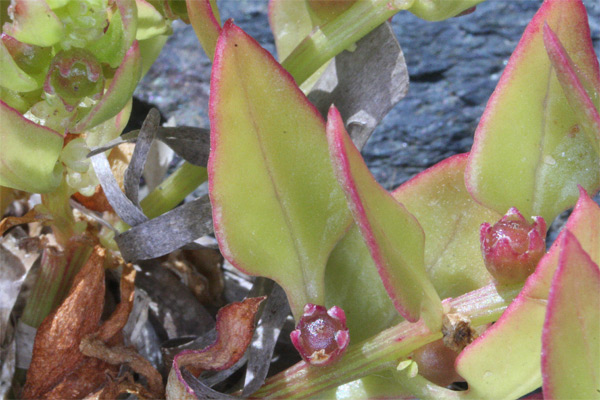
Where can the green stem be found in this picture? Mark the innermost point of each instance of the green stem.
(57, 270)
(386, 349)
(332, 38)
(57, 205)
(173, 190)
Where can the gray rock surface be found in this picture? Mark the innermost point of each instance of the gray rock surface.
(454, 66)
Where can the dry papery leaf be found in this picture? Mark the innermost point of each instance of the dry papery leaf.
(59, 370)
(118, 159)
(32, 216)
(113, 388)
(200, 270)
(235, 327)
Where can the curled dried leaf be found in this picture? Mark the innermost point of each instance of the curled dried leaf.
(59, 368)
(32, 216)
(235, 327)
(91, 346)
(118, 319)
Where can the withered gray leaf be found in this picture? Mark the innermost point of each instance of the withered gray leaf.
(274, 314)
(173, 306)
(139, 331)
(16, 260)
(133, 173)
(364, 84)
(129, 137)
(167, 232)
(220, 376)
(124, 207)
(7, 367)
(201, 390)
(190, 143)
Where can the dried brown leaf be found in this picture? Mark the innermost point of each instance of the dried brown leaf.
(56, 347)
(59, 369)
(32, 216)
(117, 355)
(197, 283)
(113, 388)
(118, 319)
(209, 262)
(118, 160)
(235, 327)
(85, 378)
(95, 202)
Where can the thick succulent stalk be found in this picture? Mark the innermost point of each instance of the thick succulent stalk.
(173, 190)
(387, 348)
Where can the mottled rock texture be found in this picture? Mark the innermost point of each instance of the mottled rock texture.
(454, 66)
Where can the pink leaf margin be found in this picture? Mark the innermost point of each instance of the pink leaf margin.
(205, 24)
(533, 28)
(337, 138)
(449, 163)
(573, 261)
(572, 86)
(102, 110)
(228, 35)
(538, 283)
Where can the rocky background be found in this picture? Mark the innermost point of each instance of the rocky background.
(454, 66)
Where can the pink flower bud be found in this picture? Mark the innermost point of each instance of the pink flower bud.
(512, 247)
(321, 335)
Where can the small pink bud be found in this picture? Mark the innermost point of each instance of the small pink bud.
(321, 335)
(512, 247)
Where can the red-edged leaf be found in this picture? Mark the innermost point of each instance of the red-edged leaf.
(204, 17)
(277, 208)
(573, 87)
(34, 23)
(118, 93)
(439, 200)
(529, 151)
(484, 362)
(235, 327)
(394, 237)
(29, 155)
(571, 334)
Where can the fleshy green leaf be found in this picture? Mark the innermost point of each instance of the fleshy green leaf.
(113, 46)
(438, 10)
(351, 270)
(394, 237)
(490, 370)
(13, 77)
(150, 21)
(28, 160)
(571, 334)
(277, 208)
(573, 87)
(34, 23)
(451, 219)
(205, 23)
(529, 151)
(150, 50)
(290, 23)
(118, 93)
